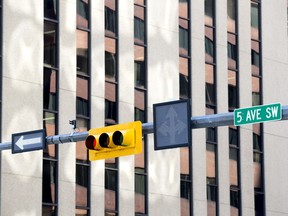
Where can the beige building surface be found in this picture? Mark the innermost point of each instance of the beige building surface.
(107, 62)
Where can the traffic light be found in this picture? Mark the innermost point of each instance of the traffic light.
(114, 141)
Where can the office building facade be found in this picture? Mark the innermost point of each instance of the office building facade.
(106, 62)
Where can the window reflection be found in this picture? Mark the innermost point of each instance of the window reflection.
(209, 45)
(254, 20)
(82, 52)
(139, 24)
(49, 187)
(139, 67)
(232, 90)
(183, 37)
(50, 9)
(110, 17)
(50, 52)
(82, 13)
(232, 51)
(49, 89)
(82, 104)
(110, 188)
(209, 12)
(256, 91)
(231, 15)
(255, 59)
(110, 59)
(183, 9)
(234, 202)
(82, 181)
(233, 164)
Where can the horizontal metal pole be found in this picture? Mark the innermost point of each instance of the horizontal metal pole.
(215, 120)
(66, 138)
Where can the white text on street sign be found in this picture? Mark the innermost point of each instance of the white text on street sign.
(257, 114)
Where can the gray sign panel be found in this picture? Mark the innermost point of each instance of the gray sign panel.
(172, 124)
(28, 141)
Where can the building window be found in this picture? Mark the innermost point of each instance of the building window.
(256, 74)
(111, 101)
(82, 175)
(140, 98)
(50, 107)
(185, 93)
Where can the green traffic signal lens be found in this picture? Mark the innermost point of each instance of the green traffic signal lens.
(104, 140)
(117, 138)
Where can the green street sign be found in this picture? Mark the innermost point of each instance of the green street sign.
(257, 114)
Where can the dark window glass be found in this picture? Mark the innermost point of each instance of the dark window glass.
(139, 24)
(234, 198)
(232, 96)
(185, 189)
(254, 15)
(49, 89)
(82, 103)
(50, 9)
(256, 100)
(139, 29)
(82, 107)
(231, 16)
(82, 52)
(209, 12)
(110, 20)
(233, 163)
(184, 86)
(110, 189)
(82, 13)
(50, 49)
(49, 122)
(210, 95)
(110, 112)
(210, 135)
(139, 67)
(233, 136)
(139, 115)
(259, 203)
(140, 184)
(209, 45)
(211, 193)
(257, 144)
(232, 51)
(209, 49)
(140, 192)
(49, 181)
(82, 182)
(110, 65)
(49, 188)
(183, 36)
(255, 58)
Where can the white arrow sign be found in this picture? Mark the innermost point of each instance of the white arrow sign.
(28, 141)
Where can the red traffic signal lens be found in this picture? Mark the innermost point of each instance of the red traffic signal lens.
(90, 142)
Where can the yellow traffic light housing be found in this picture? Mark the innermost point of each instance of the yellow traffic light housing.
(114, 141)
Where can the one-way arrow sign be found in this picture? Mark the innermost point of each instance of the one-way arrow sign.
(28, 141)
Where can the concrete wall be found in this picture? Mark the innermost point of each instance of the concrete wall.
(23, 108)
(163, 55)
(275, 67)
(21, 177)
